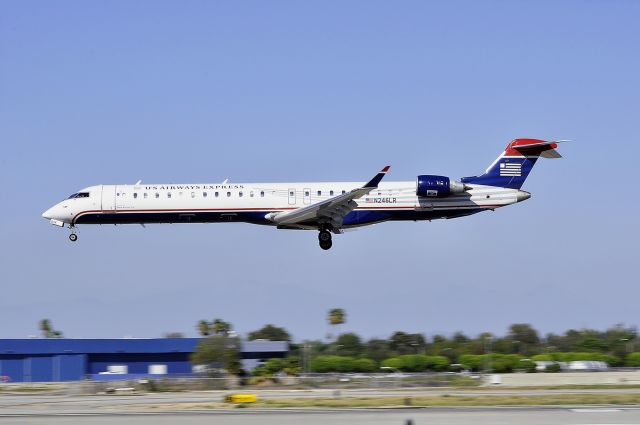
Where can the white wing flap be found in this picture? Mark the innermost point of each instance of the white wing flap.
(331, 211)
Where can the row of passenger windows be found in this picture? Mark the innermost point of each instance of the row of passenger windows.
(145, 195)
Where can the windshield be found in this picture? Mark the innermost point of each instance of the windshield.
(79, 195)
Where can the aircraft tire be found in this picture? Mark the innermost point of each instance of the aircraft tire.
(324, 236)
(73, 237)
(326, 244)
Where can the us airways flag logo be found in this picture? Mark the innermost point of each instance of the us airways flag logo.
(510, 169)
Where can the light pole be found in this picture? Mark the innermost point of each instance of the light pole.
(487, 350)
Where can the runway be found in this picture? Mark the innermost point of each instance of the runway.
(431, 416)
(165, 408)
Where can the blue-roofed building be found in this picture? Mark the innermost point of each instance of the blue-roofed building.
(46, 360)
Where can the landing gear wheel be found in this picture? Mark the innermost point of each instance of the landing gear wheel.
(73, 237)
(326, 244)
(324, 236)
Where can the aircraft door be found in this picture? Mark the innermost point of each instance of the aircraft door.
(108, 198)
(292, 196)
(124, 197)
(306, 196)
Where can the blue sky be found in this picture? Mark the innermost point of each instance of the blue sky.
(199, 91)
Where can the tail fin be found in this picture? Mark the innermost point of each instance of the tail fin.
(512, 167)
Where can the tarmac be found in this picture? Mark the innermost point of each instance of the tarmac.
(431, 416)
(148, 408)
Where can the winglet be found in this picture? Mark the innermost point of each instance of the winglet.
(376, 180)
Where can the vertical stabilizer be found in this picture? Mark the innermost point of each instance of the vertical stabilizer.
(512, 167)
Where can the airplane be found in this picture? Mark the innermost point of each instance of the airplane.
(329, 208)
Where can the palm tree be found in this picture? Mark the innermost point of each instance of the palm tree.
(220, 327)
(337, 316)
(46, 328)
(204, 329)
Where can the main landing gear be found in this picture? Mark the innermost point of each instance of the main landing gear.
(324, 237)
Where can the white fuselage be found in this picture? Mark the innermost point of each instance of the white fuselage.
(253, 202)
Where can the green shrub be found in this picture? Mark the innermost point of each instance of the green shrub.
(526, 365)
(499, 363)
(573, 356)
(553, 368)
(364, 365)
(290, 365)
(323, 364)
(417, 363)
(632, 360)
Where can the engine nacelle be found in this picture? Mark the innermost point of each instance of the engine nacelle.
(438, 186)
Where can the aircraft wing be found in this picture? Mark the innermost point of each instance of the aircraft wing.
(330, 211)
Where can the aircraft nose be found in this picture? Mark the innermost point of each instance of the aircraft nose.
(48, 214)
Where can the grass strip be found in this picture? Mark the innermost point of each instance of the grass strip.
(455, 400)
(424, 401)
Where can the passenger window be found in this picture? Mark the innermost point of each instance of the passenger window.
(262, 193)
(135, 195)
(228, 194)
(344, 191)
(291, 193)
(168, 194)
(157, 195)
(179, 193)
(216, 194)
(319, 193)
(306, 193)
(251, 194)
(204, 194)
(145, 195)
(193, 194)
(331, 193)
(240, 194)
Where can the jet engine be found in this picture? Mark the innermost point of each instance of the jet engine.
(438, 186)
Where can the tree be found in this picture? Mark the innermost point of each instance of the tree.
(218, 352)
(377, 350)
(349, 345)
(270, 333)
(47, 329)
(404, 343)
(337, 316)
(204, 328)
(220, 327)
(460, 338)
(524, 338)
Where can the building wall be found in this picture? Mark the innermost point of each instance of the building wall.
(139, 362)
(43, 368)
(43, 360)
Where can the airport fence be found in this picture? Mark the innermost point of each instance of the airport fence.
(317, 381)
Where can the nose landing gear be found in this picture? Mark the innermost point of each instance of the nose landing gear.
(324, 237)
(73, 237)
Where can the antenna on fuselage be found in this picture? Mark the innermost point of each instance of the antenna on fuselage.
(138, 182)
(225, 181)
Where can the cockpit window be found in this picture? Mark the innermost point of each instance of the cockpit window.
(79, 195)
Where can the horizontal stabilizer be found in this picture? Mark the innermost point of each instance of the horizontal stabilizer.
(551, 153)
